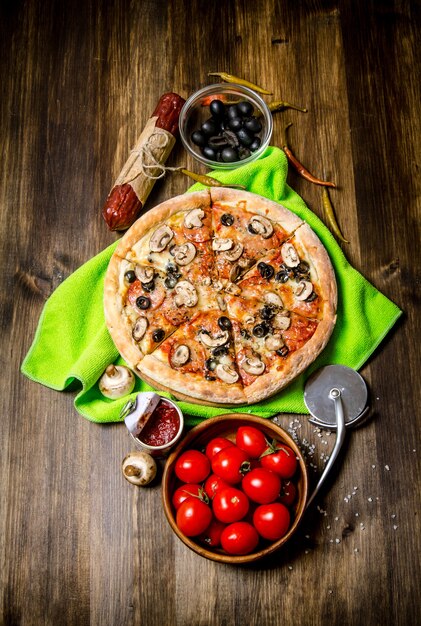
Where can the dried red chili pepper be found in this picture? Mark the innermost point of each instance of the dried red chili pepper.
(299, 166)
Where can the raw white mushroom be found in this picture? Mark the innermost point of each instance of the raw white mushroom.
(194, 218)
(186, 294)
(160, 239)
(117, 381)
(290, 255)
(226, 373)
(259, 225)
(139, 329)
(139, 468)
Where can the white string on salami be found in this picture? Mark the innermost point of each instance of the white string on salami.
(148, 164)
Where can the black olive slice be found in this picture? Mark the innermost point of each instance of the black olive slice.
(282, 351)
(210, 364)
(143, 302)
(227, 219)
(148, 287)
(265, 270)
(158, 335)
(261, 330)
(130, 276)
(220, 351)
(267, 312)
(224, 323)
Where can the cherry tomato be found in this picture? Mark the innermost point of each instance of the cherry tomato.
(271, 520)
(212, 535)
(215, 445)
(288, 492)
(192, 466)
(183, 492)
(193, 517)
(261, 485)
(281, 460)
(230, 464)
(251, 440)
(230, 505)
(239, 538)
(213, 484)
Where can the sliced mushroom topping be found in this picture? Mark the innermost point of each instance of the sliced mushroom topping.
(144, 274)
(234, 253)
(221, 303)
(272, 298)
(217, 285)
(221, 245)
(253, 365)
(226, 373)
(235, 273)
(214, 341)
(139, 329)
(180, 356)
(274, 342)
(244, 263)
(290, 255)
(184, 254)
(281, 321)
(259, 225)
(235, 290)
(249, 319)
(186, 294)
(194, 218)
(303, 290)
(160, 239)
(207, 281)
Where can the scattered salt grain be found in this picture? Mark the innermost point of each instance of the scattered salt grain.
(394, 527)
(393, 516)
(373, 466)
(370, 499)
(290, 567)
(337, 540)
(386, 467)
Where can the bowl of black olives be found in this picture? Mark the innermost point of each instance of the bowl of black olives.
(226, 125)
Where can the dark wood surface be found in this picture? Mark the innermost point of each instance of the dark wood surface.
(79, 545)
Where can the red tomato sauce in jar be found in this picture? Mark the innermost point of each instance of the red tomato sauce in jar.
(162, 426)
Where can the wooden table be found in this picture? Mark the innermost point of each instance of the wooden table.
(79, 545)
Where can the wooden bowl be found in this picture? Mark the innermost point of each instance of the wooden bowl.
(226, 426)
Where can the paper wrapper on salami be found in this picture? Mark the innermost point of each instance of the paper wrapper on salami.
(141, 170)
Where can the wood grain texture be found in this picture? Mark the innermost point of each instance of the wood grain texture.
(78, 544)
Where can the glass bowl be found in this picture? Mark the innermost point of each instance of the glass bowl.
(195, 112)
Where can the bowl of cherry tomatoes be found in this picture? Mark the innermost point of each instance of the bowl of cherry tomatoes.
(235, 488)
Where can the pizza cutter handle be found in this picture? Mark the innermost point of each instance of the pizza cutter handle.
(335, 395)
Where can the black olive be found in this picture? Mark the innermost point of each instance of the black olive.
(245, 334)
(243, 153)
(217, 108)
(220, 351)
(244, 137)
(210, 364)
(209, 153)
(171, 281)
(265, 270)
(255, 144)
(245, 108)
(209, 377)
(303, 267)
(130, 276)
(227, 219)
(158, 335)
(209, 127)
(261, 330)
(143, 302)
(282, 351)
(148, 287)
(235, 123)
(224, 323)
(172, 268)
(229, 155)
(311, 297)
(198, 138)
(253, 125)
(281, 276)
(232, 111)
(267, 312)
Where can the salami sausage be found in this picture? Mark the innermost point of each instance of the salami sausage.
(132, 187)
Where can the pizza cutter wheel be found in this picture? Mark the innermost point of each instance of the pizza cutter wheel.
(336, 397)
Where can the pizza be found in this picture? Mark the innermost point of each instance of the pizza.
(220, 297)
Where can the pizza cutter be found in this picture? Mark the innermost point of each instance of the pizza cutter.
(336, 397)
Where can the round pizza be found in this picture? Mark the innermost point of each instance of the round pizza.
(220, 297)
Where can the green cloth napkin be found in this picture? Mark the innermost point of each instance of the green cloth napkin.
(73, 347)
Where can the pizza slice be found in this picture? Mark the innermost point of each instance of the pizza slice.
(300, 273)
(271, 344)
(245, 228)
(174, 238)
(197, 362)
(142, 307)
